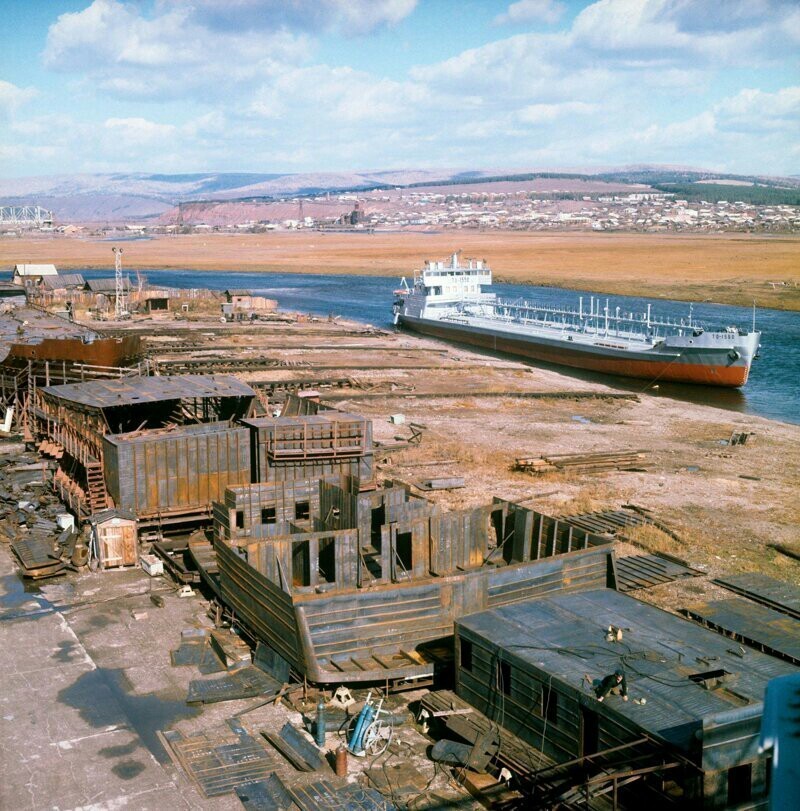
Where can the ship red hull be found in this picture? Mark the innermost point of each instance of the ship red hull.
(680, 370)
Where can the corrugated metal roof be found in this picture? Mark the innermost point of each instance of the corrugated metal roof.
(107, 285)
(35, 270)
(63, 280)
(110, 514)
(777, 594)
(135, 390)
(564, 636)
(755, 625)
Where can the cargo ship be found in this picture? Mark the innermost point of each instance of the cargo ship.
(449, 301)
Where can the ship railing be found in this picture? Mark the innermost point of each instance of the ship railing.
(545, 315)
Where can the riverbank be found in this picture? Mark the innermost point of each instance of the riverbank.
(726, 269)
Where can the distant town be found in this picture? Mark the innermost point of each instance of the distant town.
(517, 210)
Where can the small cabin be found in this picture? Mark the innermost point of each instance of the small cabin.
(25, 275)
(155, 301)
(113, 538)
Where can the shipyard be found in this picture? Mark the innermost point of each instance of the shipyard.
(399, 405)
(226, 524)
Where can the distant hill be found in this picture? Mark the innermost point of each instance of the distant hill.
(124, 197)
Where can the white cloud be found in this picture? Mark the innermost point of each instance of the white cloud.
(139, 130)
(753, 110)
(12, 97)
(164, 56)
(627, 80)
(548, 113)
(341, 96)
(531, 11)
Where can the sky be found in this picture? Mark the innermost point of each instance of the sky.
(277, 86)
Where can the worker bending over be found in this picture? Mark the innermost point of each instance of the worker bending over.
(614, 683)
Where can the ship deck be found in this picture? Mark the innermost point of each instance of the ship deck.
(528, 329)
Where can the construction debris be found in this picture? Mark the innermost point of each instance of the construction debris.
(245, 682)
(740, 437)
(299, 751)
(756, 625)
(195, 649)
(776, 594)
(219, 763)
(607, 521)
(583, 462)
(443, 483)
(645, 571)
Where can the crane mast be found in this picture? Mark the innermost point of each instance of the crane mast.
(120, 305)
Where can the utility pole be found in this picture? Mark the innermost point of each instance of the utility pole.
(120, 308)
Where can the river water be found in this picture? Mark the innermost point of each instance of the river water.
(773, 389)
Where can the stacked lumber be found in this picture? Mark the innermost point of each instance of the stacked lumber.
(583, 462)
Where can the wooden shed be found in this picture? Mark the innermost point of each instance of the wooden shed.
(114, 539)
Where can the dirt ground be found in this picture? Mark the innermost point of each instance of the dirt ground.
(725, 268)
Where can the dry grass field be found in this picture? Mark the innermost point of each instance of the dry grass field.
(730, 268)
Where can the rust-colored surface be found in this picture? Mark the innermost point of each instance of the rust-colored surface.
(101, 352)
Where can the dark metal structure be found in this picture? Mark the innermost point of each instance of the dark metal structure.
(74, 418)
(168, 475)
(349, 586)
(688, 734)
(777, 594)
(756, 626)
(311, 446)
(645, 571)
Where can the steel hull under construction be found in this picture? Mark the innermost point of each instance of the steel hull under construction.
(448, 301)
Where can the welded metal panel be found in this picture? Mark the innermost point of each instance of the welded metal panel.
(138, 390)
(218, 763)
(777, 594)
(730, 738)
(754, 625)
(644, 571)
(158, 473)
(266, 609)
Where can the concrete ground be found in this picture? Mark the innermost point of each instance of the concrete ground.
(87, 687)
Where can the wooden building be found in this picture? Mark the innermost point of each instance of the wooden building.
(114, 538)
(241, 304)
(688, 734)
(30, 275)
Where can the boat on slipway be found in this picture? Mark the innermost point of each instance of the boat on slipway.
(449, 301)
